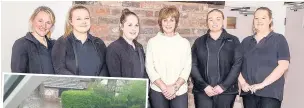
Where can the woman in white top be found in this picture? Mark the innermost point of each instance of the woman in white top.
(168, 63)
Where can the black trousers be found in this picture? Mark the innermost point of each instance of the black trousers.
(158, 100)
(202, 100)
(253, 101)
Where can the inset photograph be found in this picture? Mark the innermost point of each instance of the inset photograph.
(51, 91)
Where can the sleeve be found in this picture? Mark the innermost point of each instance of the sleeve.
(113, 62)
(58, 57)
(236, 67)
(19, 58)
(187, 63)
(283, 49)
(150, 68)
(104, 69)
(196, 76)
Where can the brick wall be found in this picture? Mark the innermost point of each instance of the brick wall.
(106, 14)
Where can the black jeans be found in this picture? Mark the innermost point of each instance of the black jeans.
(202, 100)
(158, 100)
(253, 101)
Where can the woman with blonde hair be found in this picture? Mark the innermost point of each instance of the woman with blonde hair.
(168, 63)
(78, 52)
(32, 53)
(266, 59)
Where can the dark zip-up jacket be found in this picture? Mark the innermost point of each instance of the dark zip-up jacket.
(64, 59)
(229, 63)
(120, 63)
(26, 56)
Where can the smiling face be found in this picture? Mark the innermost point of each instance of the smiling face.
(42, 24)
(215, 21)
(130, 27)
(168, 25)
(80, 20)
(262, 20)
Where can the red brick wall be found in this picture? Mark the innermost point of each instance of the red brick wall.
(106, 14)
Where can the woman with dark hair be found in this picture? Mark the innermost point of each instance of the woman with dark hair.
(266, 59)
(125, 56)
(78, 52)
(216, 63)
(32, 53)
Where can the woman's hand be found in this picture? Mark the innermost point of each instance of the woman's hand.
(171, 89)
(256, 87)
(218, 89)
(210, 91)
(245, 87)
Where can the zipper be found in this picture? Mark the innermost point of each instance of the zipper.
(76, 58)
(38, 51)
(218, 61)
(207, 73)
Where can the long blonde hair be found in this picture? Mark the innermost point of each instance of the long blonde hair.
(35, 13)
(68, 27)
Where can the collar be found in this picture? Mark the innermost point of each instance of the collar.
(73, 37)
(176, 35)
(125, 43)
(266, 37)
(224, 34)
(29, 36)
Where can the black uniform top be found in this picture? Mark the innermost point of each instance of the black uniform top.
(30, 56)
(88, 57)
(213, 59)
(71, 57)
(125, 61)
(260, 59)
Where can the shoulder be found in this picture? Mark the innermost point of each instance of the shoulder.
(98, 41)
(61, 39)
(185, 41)
(96, 38)
(156, 37)
(233, 38)
(153, 40)
(21, 43)
(246, 39)
(279, 39)
(278, 36)
(114, 45)
(114, 48)
(199, 39)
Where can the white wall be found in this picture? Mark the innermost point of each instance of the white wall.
(243, 23)
(293, 97)
(15, 16)
(277, 7)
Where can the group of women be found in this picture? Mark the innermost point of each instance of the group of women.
(217, 61)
